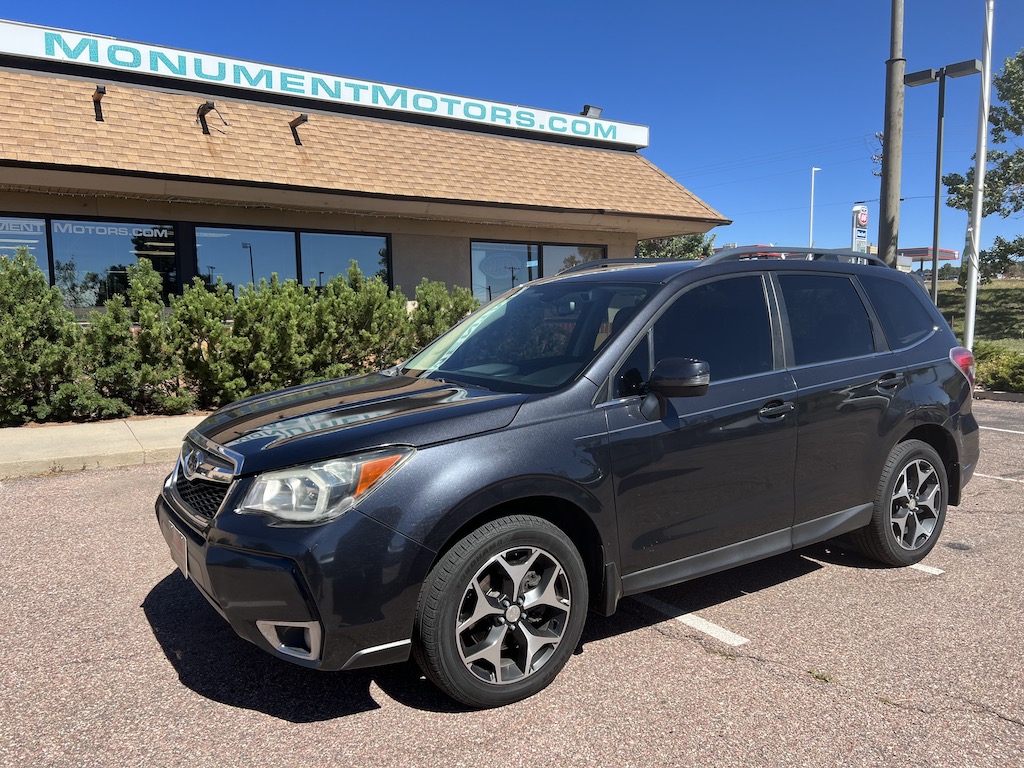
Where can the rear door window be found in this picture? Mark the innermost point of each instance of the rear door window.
(904, 319)
(827, 319)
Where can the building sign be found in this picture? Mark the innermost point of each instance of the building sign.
(109, 53)
(859, 239)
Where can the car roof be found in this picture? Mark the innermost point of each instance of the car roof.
(663, 270)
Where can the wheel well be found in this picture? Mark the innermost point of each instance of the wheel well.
(573, 521)
(945, 446)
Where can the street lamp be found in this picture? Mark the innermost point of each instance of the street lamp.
(810, 238)
(252, 272)
(924, 77)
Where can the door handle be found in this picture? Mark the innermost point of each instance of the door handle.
(891, 381)
(775, 409)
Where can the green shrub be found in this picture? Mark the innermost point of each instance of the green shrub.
(129, 352)
(199, 329)
(437, 310)
(998, 367)
(213, 348)
(269, 344)
(358, 326)
(40, 377)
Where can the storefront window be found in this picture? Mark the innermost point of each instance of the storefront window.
(559, 257)
(91, 258)
(497, 267)
(325, 255)
(243, 256)
(25, 233)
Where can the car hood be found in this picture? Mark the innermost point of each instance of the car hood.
(342, 416)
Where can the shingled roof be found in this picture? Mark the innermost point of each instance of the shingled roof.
(52, 136)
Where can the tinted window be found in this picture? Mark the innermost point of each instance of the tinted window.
(25, 233)
(827, 319)
(904, 319)
(91, 258)
(725, 323)
(244, 256)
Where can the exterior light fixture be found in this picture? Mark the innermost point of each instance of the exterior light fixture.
(924, 77)
(589, 110)
(204, 109)
(97, 97)
(295, 123)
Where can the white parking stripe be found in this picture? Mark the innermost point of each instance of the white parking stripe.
(928, 569)
(996, 429)
(997, 477)
(692, 620)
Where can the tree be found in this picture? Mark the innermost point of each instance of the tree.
(1003, 259)
(1004, 176)
(698, 246)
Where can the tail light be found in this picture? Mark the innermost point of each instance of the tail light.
(963, 359)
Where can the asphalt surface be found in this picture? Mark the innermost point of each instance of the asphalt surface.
(108, 657)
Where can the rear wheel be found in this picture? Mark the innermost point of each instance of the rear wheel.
(501, 612)
(910, 506)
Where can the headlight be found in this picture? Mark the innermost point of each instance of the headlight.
(321, 492)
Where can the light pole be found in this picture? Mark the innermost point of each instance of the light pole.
(810, 237)
(925, 76)
(252, 272)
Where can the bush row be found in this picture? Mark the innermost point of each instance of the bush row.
(211, 349)
(999, 368)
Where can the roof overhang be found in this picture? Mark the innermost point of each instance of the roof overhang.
(106, 183)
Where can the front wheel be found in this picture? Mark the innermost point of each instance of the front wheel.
(501, 612)
(910, 506)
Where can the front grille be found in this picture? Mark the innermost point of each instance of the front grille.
(202, 496)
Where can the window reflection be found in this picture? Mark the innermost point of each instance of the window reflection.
(498, 267)
(559, 257)
(327, 255)
(91, 258)
(244, 256)
(18, 233)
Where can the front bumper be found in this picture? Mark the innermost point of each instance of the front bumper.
(337, 596)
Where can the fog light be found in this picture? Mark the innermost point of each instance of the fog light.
(300, 639)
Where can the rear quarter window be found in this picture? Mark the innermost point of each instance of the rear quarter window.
(899, 308)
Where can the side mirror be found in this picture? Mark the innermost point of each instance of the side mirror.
(674, 377)
(680, 377)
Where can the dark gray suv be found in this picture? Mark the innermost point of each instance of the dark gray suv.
(614, 429)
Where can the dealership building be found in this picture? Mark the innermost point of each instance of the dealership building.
(221, 169)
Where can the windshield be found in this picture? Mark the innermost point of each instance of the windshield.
(535, 339)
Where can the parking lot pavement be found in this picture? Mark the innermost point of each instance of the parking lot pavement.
(108, 657)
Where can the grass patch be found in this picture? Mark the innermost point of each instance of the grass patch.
(822, 677)
(999, 312)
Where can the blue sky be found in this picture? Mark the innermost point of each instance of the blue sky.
(742, 98)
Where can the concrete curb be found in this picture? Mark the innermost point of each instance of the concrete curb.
(46, 450)
(1006, 397)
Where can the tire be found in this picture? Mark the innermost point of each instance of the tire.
(501, 612)
(910, 506)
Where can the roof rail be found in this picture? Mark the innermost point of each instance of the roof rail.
(602, 263)
(808, 254)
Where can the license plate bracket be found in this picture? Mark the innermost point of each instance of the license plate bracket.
(179, 548)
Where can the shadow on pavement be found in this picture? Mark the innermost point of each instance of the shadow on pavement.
(699, 594)
(214, 662)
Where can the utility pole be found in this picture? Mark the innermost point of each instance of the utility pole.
(892, 142)
(980, 159)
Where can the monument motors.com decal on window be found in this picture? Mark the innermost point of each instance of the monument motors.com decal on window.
(26, 40)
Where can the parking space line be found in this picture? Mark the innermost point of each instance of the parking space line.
(692, 620)
(927, 569)
(997, 477)
(997, 429)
